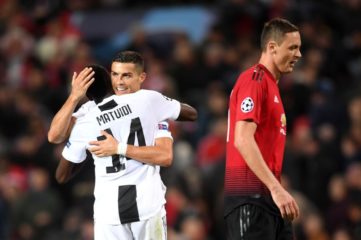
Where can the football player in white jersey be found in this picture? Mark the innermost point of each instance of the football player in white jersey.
(129, 195)
(161, 153)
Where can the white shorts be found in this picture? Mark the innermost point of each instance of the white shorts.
(154, 228)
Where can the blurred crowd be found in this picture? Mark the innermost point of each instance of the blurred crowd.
(40, 48)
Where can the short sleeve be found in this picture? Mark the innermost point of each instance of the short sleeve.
(75, 149)
(163, 130)
(249, 100)
(84, 109)
(164, 107)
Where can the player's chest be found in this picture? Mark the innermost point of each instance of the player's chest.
(274, 114)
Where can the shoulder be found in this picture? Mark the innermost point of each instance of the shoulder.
(250, 77)
(84, 109)
(88, 116)
(149, 95)
(89, 104)
(254, 73)
(146, 92)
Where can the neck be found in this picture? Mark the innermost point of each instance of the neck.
(267, 61)
(99, 100)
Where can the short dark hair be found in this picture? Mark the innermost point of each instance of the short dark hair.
(101, 85)
(275, 29)
(130, 57)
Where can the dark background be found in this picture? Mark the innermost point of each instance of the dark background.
(194, 51)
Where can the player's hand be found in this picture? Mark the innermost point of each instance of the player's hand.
(106, 147)
(286, 203)
(80, 83)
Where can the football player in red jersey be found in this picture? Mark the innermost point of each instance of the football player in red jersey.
(256, 204)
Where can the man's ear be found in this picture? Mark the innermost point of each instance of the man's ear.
(142, 77)
(272, 47)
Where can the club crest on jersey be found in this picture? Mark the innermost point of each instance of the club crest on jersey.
(283, 120)
(283, 124)
(247, 105)
(163, 126)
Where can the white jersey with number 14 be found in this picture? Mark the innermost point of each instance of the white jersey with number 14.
(126, 190)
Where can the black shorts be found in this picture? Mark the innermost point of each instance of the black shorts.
(251, 222)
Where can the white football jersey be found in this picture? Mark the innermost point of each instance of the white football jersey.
(84, 109)
(126, 190)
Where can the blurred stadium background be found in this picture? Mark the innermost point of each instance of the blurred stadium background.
(194, 51)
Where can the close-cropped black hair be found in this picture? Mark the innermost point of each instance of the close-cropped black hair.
(275, 29)
(130, 57)
(101, 85)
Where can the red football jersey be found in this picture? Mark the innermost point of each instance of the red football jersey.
(255, 97)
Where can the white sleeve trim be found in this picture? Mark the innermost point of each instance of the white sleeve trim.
(163, 133)
(70, 157)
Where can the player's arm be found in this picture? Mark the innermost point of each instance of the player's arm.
(74, 152)
(246, 144)
(187, 113)
(160, 154)
(66, 170)
(168, 108)
(63, 121)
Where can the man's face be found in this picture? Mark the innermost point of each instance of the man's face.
(126, 78)
(288, 52)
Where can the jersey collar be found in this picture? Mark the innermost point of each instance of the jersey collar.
(267, 72)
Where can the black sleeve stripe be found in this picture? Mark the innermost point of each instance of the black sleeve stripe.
(257, 75)
(261, 76)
